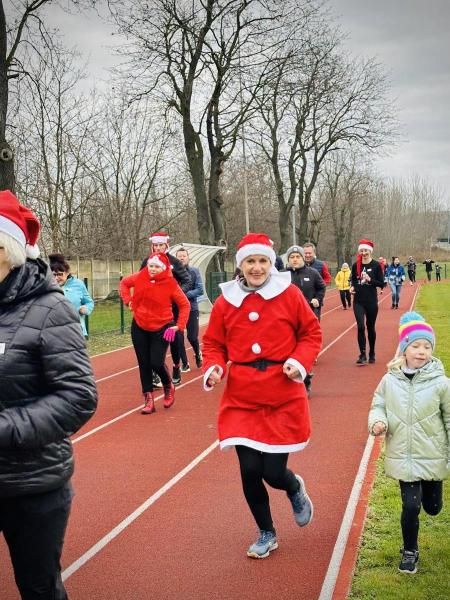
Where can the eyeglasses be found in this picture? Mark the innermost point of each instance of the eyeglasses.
(58, 273)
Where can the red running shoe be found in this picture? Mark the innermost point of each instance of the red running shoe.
(149, 404)
(169, 395)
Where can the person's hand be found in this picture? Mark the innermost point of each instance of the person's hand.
(352, 290)
(83, 310)
(315, 303)
(130, 305)
(214, 377)
(291, 371)
(378, 428)
(170, 332)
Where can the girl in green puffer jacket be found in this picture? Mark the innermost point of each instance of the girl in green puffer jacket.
(412, 406)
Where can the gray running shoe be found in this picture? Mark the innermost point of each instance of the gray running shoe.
(408, 564)
(264, 545)
(301, 505)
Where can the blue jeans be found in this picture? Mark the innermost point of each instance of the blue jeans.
(395, 289)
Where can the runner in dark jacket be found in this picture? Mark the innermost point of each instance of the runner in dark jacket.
(47, 393)
(310, 283)
(367, 276)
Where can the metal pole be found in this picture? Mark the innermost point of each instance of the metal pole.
(86, 317)
(244, 151)
(244, 158)
(293, 225)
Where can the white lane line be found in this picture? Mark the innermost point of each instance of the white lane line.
(329, 582)
(134, 515)
(334, 566)
(131, 368)
(331, 310)
(126, 414)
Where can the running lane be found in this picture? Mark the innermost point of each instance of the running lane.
(191, 542)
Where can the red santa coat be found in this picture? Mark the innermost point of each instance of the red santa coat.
(264, 410)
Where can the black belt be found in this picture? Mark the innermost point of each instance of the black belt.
(261, 364)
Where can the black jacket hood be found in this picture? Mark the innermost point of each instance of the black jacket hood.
(32, 279)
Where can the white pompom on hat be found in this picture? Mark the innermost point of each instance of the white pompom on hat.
(255, 243)
(19, 222)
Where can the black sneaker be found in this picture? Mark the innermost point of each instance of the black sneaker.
(157, 381)
(176, 376)
(199, 360)
(371, 358)
(362, 360)
(408, 564)
(185, 368)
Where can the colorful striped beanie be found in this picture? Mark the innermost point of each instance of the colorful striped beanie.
(413, 327)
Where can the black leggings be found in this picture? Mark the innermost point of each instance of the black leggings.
(412, 276)
(414, 494)
(368, 312)
(34, 527)
(346, 298)
(150, 348)
(175, 345)
(192, 335)
(257, 467)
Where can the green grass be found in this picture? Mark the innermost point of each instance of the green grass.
(376, 576)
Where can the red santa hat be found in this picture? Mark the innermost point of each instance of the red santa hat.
(365, 245)
(159, 238)
(255, 243)
(19, 222)
(159, 259)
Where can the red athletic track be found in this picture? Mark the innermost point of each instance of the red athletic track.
(190, 543)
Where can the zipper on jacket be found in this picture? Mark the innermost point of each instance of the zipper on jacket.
(410, 415)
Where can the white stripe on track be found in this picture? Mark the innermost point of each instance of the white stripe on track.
(341, 542)
(334, 566)
(126, 414)
(71, 569)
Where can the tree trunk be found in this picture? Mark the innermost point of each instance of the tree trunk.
(7, 179)
(283, 224)
(194, 155)
(215, 197)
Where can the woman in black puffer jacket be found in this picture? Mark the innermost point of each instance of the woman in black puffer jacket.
(47, 392)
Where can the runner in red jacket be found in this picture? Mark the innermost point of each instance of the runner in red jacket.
(154, 291)
(265, 327)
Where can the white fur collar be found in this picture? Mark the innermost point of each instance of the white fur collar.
(277, 284)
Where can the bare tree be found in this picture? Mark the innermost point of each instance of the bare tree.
(12, 36)
(134, 171)
(345, 184)
(191, 55)
(53, 133)
(316, 102)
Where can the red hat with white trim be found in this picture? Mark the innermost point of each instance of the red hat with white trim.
(159, 259)
(19, 222)
(365, 245)
(255, 243)
(159, 238)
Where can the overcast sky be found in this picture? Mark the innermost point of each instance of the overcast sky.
(409, 37)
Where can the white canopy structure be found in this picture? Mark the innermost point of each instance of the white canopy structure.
(200, 256)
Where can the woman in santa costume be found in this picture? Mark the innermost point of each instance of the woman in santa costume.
(265, 327)
(367, 275)
(154, 291)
